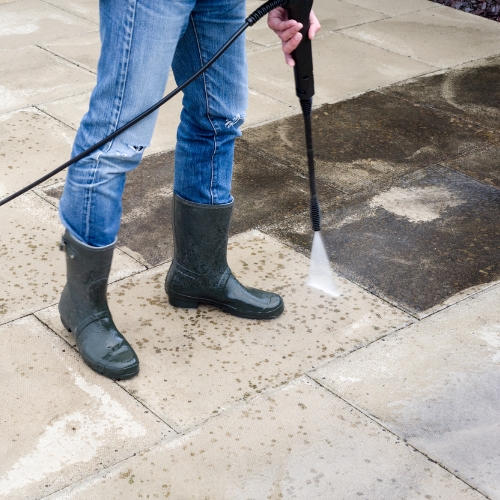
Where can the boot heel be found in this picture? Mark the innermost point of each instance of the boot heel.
(65, 325)
(183, 303)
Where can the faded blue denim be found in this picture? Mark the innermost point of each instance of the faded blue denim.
(141, 41)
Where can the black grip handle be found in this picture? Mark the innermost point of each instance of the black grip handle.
(300, 10)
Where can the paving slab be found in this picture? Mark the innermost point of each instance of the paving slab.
(436, 384)
(83, 50)
(33, 144)
(366, 143)
(343, 68)
(33, 268)
(393, 7)
(481, 164)
(88, 9)
(30, 22)
(195, 363)
(431, 235)
(297, 442)
(61, 423)
(469, 91)
(410, 35)
(32, 76)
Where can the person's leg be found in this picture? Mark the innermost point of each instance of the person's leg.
(139, 38)
(214, 105)
(214, 108)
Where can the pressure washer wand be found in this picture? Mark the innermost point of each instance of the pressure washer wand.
(300, 11)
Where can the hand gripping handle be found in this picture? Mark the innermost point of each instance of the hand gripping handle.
(300, 10)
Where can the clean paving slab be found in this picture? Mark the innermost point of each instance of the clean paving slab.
(433, 36)
(296, 442)
(83, 50)
(88, 9)
(34, 22)
(436, 384)
(196, 363)
(33, 268)
(61, 423)
(31, 76)
(33, 144)
(393, 7)
(343, 68)
(469, 91)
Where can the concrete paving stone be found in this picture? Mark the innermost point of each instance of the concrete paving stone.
(436, 384)
(469, 91)
(33, 144)
(433, 35)
(61, 423)
(332, 14)
(88, 9)
(431, 235)
(393, 7)
(297, 442)
(195, 363)
(32, 76)
(343, 68)
(368, 142)
(481, 164)
(34, 22)
(33, 268)
(82, 50)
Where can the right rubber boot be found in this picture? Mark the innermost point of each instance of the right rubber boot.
(84, 310)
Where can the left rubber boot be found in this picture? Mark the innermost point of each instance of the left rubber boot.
(199, 273)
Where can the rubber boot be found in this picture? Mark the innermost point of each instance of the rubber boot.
(84, 310)
(199, 273)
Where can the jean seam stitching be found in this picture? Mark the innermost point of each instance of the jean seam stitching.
(208, 112)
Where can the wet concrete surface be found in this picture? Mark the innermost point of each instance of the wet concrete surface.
(407, 229)
(470, 92)
(432, 234)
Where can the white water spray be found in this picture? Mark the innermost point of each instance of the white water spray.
(320, 274)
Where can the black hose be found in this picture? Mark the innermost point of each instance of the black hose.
(249, 21)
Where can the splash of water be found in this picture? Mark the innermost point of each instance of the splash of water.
(320, 274)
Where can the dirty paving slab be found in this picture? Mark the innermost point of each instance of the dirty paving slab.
(275, 446)
(436, 384)
(79, 422)
(196, 363)
(367, 142)
(434, 233)
(469, 91)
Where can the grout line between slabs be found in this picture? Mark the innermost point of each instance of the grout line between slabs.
(374, 419)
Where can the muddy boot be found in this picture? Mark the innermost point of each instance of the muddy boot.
(84, 310)
(199, 273)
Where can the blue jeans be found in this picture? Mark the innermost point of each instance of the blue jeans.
(141, 41)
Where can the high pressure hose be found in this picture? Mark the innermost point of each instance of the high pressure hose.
(249, 21)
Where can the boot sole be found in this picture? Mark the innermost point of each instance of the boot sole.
(123, 375)
(188, 303)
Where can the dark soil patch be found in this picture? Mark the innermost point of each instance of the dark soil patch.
(483, 8)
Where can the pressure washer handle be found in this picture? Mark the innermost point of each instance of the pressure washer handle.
(300, 10)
